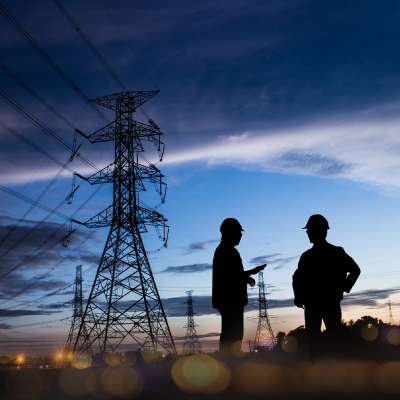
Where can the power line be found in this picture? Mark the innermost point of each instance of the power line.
(140, 62)
(36, 96)
(35, 121)
(51, 246)
(96, 52)
(33, 145)
(15, 24)
(89, 44)
(36, 203)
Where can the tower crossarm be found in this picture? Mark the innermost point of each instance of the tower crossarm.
(147, 173)
(132, 100)
(144, 216)
(140, 130)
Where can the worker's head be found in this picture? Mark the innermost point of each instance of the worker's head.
(231, 231)
(317, 228)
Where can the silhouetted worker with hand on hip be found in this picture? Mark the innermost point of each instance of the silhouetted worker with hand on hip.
(229, 288)
(323, 274)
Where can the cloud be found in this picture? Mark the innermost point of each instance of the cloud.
(312, 164)
(369, 298)
(372, 298)
(54, 306)
(5, 326)
(187, 269)
(273, 259)
(32, 274)
(201, 336)
(5, 313)
(199, 246)
(368, 153)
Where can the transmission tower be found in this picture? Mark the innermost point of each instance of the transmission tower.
(391, 319)
(77, 318)
(192, 344)
(265, 339)
(124, 300)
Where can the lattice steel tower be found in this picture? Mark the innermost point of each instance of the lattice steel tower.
(77, 318)
(391, 319)
(192, 344)
(124, 301)
(265, 339)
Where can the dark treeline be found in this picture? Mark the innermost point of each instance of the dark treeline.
(369, 338)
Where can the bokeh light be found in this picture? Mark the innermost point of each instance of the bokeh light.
(391, 335)
(81, 362)
(123, 382)
(386, 377)
(74, 381)
(112, 358)
(328, 375)
(254, 378)
(95, 384)
(28, 384)
(369, 332)
(201, 373)
(289, 344)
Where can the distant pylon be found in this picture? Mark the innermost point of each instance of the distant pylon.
(391, 319)
(265, 338)
(77, 318)
(192, 344)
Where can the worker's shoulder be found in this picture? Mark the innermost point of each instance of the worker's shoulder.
(328, 248)
(225, 251)
(336, 249)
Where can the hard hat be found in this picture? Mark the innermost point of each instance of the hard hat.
(230, 224)
(317, 221)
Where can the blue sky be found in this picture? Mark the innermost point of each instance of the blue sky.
(271, 111)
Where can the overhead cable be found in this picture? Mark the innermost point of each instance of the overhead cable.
(15, 24)
(51, 246)
(36, 96)
(30, 117)
(95, 51)
(34, 146)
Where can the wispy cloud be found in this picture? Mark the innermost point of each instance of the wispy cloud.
(372, 298)
(361, 152)
(202, 336)
(187, 269)
(273, 259)
(199, 246)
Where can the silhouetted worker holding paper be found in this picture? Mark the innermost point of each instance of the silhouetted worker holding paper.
(323, 274)
(229, 288)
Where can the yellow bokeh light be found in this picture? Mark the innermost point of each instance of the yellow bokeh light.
(123, 382)
(290, 344)
(386, 377)
(201, 373)
(369, 332)
(59, 355)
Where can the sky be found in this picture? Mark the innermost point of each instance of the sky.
(271, 111)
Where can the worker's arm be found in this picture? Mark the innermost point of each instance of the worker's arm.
(353, 273)
(255, 270)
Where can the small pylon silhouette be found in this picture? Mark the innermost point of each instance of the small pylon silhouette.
(265, 339)
(391, 319)
(77, 319)
(192, 344)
